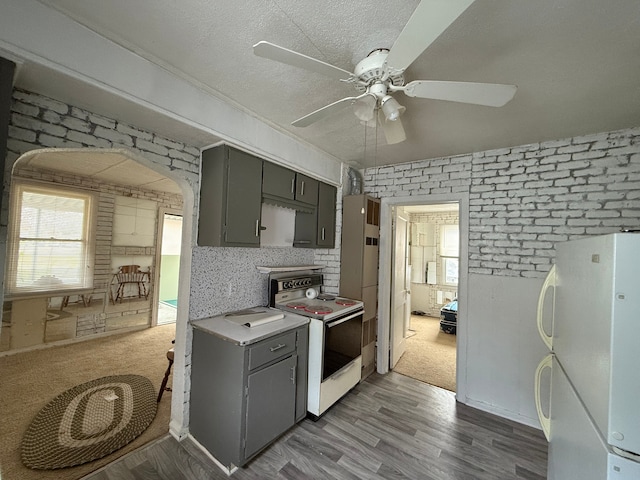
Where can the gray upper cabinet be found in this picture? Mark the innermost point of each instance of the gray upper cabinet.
(278, 181)
(326, 234)
(230, 198)
(318, 228)
(284, 187)
(306, 189)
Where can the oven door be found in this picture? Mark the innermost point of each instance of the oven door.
(342, 342)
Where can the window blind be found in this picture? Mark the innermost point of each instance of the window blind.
(51, 240)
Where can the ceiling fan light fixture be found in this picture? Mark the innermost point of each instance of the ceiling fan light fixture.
(391, 108)
(364, 108)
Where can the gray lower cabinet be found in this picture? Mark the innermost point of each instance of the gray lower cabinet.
(245, 396)
(230, 198)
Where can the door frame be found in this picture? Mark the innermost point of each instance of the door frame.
(156, 274)
(384, 280)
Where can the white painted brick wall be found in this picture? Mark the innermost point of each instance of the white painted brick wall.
(523, 200)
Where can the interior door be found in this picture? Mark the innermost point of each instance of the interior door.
(399, 291)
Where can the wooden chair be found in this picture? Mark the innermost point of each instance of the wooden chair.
(131, 275)
(163, 386)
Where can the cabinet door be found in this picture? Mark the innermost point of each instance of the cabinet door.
(306, 189)
(326, 232)
(271, 403)
(243, 199)
(278, 181)
(305, 230)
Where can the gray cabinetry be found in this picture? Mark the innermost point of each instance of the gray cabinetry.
(359, 266)
(325, 236)
(244, 396)
(278, 182)
(288, 188)
(230, 198)
(318, 228)
(306, 189)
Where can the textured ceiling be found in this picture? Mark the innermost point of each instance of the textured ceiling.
(103, 167)
(576, 64)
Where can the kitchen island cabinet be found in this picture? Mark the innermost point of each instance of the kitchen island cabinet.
(230, 198)
(246, 389)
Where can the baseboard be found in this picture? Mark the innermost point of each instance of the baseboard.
(500, 412)
(202, 449)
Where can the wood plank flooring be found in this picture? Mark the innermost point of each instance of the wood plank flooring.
(388, 427)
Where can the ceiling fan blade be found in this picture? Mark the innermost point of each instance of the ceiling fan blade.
(488, 94)
(393, 130)
(429, 20)
(284, 55)
(325, 111)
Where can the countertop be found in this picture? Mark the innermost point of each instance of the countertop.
(232, 331)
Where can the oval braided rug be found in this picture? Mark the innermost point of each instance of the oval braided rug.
(89, 421)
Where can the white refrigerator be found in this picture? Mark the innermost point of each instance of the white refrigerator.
(589, 317)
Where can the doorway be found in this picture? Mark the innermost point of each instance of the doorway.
(432, 259)
(168, 265)
(429, 281)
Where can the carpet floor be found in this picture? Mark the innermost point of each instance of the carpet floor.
(430, 355)
(31, 379)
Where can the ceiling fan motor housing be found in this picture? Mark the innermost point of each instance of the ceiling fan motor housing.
(371, 70)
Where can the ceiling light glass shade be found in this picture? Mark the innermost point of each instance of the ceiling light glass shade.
(391, 108)
(364, 108)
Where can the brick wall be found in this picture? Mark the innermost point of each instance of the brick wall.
(522, 200)
(39, 122)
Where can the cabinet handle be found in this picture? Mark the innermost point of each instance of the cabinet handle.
(302, 189)
(322, 233)
(258, 228)
(293, 374)
(293, 184)
(278, 347)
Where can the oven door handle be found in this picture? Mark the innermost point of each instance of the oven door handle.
(338, 321)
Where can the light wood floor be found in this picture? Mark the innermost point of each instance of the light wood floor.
(388, 427)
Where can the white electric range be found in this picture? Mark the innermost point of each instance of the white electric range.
(335, 336)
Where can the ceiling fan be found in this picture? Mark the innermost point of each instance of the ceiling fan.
(377, 77)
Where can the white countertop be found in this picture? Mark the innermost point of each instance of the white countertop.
(228, 328)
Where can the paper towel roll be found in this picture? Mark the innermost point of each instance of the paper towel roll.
(311, 293)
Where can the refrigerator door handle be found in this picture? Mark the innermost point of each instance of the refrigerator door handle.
(545, 422)
(549, 282)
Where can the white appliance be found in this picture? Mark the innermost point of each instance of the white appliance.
(335, 336)
(593, 419)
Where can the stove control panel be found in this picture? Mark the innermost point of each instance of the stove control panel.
(298, 282)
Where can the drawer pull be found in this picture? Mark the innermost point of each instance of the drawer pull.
(278, 347)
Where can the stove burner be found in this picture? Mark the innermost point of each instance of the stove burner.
(318, 309)
(326, 297)
(345, 302)
(296, 305)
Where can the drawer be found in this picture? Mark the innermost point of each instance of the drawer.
(271, 349)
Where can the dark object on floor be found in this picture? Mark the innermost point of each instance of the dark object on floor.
(89, 422)
(419, 312)
(163, 386)
(449, 317)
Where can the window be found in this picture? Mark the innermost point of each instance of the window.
(51, 240)
(450, 244)
(450, 268)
